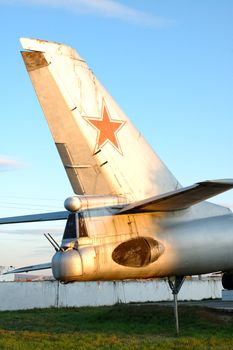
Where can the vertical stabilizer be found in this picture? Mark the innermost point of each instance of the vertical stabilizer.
(101, 150)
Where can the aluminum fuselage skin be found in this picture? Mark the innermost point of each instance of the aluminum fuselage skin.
(193, 244)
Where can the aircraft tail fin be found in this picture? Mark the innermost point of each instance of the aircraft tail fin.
(101, 150)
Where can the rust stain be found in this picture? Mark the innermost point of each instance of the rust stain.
(34, 60)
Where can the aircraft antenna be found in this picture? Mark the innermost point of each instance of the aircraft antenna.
(52, 241)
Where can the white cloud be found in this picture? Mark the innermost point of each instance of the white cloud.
(104, 8)
(7, 164)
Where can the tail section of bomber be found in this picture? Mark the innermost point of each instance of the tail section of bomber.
(101, 150)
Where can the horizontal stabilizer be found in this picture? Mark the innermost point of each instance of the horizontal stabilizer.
(58, 215)
(30, 268)
(182, 198)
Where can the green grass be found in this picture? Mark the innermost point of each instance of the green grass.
(145, 326)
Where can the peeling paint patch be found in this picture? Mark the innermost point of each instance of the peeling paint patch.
(34, 60)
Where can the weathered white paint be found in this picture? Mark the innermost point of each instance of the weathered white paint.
(44, 294)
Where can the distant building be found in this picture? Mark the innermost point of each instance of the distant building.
(26, 277)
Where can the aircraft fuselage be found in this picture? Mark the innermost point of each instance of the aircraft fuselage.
(147, 245)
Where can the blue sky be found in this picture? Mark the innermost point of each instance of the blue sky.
(168, 64)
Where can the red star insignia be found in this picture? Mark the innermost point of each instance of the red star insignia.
(107, 129)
